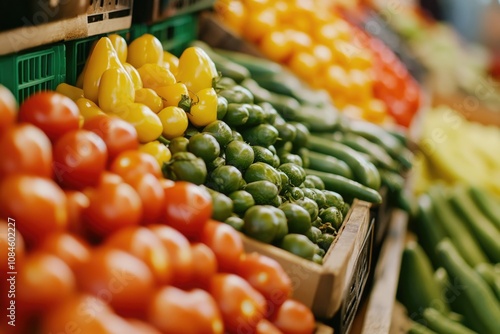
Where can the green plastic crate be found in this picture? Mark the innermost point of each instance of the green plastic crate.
(77, 52)
(32, 71)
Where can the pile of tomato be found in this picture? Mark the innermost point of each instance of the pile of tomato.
(104, 244)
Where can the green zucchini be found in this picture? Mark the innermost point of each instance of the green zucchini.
(487, 273)
(441, 324)
(256, 65)
(346, 187)
(329, 164)
(478, 294)
(364, 172)
(417, 328)
(487, 203)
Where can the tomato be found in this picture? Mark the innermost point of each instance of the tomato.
(294, 318)
(242, 306)
(138, 326)
(276, 45)
(8, 108)
(266, 327)
(113, 205)
(266, 276)
(54, 113)
(151, 194)
(118, 135)
(180, 312)
(44, 282)
(145, 245)
(45, 201)
(135, 162)
(174, 121)
(24, 148)
(11, 245)
(83, 313)
(157, 150)
(179, 251)
(118, 278)
(205, 264)
(70, 248)
(226, 244)
(146, 49)
(79, 158)
(188, 207)
(76, 203)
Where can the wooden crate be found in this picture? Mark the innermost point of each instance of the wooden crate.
(323, 288)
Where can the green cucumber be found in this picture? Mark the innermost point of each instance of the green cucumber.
(364, 172)
(485, 232)
(346, 187)
(455, 228)
(487, 273)
(442, 324)
(329, 164)
(256, 65)
(417, 328)
(417, 289)
(488, 204)
(477, 293)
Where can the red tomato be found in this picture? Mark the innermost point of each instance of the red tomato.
(204, 266)
(152, 196)
(266, 276)
(294, 318)
(145, 245)
(118, 134)
(188, 207)
(180, 312)
(113, 205)
(128, 163)
(79, 158)
(69, 248)
(226, 244)
(83, 313)
(25, 149)
(266, 327)
(38, 205)
(54, 113)
(76, 203)
(8, 107)
(141, 327)
(180, 253)
(44, 282)
(242, 306)
(11, 246)
(118, 278)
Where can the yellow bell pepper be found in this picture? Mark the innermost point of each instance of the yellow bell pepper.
(88, 109)
(203, 108)
(120, 45)
(115, 88)
(146, 49)
(134, 75)
(171, 60)
(102, 58)
(175, 95)
(174, 121)
(72, 92)
(154, 75)
(149, 97)
(196, 70)
(159, 151)
(144, 120)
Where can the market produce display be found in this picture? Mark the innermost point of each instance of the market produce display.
(323, 49)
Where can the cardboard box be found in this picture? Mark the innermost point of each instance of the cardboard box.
(323, 288)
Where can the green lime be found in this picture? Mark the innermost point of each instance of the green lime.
(222, 206)
(261, 135)
(225, 179)
(178, 144)
(333, 199)
(221, 107)
(237, 114)
(263, 192)
(310, 205)
(236, 135)
(205, 146)
(295, 173)
(185, 166)
(239, 154)
(221, 131)
(242, 200)
(298, 218)
(299, 245)
(313, 234)
(261, 222)
(333, 216)
(286, 132)
(236, 222)
(262, 154)
(256, 115)
(318, 183)
(259, 171)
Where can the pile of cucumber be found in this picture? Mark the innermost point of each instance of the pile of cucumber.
(450, 280)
